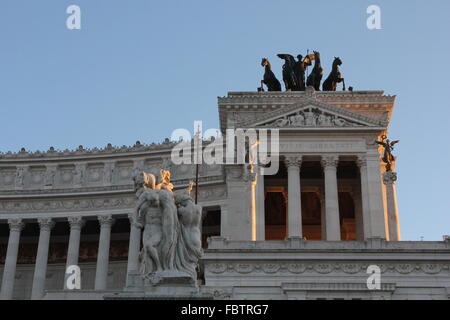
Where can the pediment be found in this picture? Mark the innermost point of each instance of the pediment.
(312, 113)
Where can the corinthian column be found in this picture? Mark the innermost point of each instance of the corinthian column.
(9, 271)
(389, 179)
(332, 222)
(293, 164)
(101, 274)
(134, 245)
(40, 268)
(76, 223)
(362, 165)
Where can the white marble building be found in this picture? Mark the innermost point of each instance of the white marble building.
(308, 232)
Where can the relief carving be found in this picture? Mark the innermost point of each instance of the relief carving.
(312, 117)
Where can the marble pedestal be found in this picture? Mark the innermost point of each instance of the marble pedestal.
(166, 285)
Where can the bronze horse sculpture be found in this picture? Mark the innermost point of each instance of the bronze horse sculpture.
(335, 77)
(315, 78)
(269, 79)
(289, 78)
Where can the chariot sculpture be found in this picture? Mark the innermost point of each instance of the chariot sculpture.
(294, 74)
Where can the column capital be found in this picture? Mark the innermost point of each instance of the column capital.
(46, 224)
(389, 177)
(135, 221)
(361, 161)
(106, 220)
(16, 225)
(329, 161)
(76, 222)
(293, 161)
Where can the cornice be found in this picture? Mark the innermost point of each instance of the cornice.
(83, 154)
(280, 97)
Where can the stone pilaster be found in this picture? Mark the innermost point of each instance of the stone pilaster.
(332, 220)
(134, 245)
(76, 223)
(374, 193)
(101, 274)
(40, 269)
(260, 206)
(9, 273)
(293, 164)
(389, 179)
(239, 215)
(224, 221)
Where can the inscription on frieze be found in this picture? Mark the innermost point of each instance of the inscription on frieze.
(323, 146)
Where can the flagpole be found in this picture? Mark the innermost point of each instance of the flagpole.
(197, 135)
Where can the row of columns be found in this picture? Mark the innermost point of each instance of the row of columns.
(371, 200)
(332, 223)
(76, 224)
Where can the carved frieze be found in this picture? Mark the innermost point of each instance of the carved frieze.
(324, 267)
(52, 205)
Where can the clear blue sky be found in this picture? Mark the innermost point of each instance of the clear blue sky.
(134, 63)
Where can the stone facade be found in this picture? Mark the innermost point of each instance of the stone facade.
(310, 231)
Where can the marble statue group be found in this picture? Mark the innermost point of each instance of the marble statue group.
(171, 238)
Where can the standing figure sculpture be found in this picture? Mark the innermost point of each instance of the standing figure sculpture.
(334, 78)
(269, 79)
(299, 70)
(289, 78)
(189, 249)
(315, 78)
(388, 157)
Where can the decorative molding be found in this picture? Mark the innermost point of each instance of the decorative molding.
(108, 150)
(389, 177)
(323, 267)
(66, 205)
(337, 286)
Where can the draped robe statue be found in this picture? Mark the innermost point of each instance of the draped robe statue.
(171, 236)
